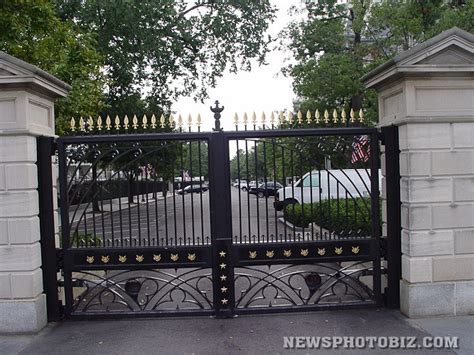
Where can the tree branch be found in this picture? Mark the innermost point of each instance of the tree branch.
(194, 7)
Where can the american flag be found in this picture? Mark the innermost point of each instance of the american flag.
(360, 149)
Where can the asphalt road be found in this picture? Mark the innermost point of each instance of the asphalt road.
(178, 220)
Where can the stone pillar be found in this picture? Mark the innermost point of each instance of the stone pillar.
(26, 111)
(428, 92)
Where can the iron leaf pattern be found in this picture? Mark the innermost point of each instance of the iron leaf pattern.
(295, 285)
(143, 291)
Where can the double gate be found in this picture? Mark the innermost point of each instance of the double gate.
(221, 223)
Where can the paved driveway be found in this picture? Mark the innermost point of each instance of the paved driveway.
(177, 220)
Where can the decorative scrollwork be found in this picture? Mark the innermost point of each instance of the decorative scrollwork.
(296, 285)
(142, 291)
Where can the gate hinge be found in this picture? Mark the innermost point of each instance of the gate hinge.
(59, 259)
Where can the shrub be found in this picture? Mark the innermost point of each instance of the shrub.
(343, 217)
(82, 240)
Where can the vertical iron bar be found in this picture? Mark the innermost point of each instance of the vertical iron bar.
(157, 225)
(130, 202)
(174, 210)
(200, 185)
(320, 205)
(65, 225)
(347, 213)
(47, 232)
(138, 209)
(284, 188)
(392, 183)
(182, 190)
(192, 187)
(120, 208)
(337, 201)
(95, 208)
(147, 205)
(329, 203)
(240, 194)
(293, 191)
(85, 225)
(375, 211)
(165, 203)
(248, 197)
(111, 215)
(274, 187)
(302, 191)
(266, 186)
(311, 201)
(255, 150)
(101, 216)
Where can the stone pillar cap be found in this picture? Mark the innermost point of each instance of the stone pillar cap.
(15, 73)
(449, 53)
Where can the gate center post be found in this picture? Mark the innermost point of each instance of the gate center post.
(221, 226)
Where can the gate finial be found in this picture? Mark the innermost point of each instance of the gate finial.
(217, 116)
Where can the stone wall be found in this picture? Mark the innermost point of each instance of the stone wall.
(428, 92)
(437, 194)
(26, 111)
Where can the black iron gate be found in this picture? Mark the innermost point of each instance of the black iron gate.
(221, 223)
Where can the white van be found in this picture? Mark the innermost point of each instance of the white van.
(319, 184)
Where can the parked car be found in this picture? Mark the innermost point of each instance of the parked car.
(193, 188)
(322, 184)
(248, 186)
(265, 190)
(238, 182)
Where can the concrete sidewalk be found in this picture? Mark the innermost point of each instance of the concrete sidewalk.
(259, 334)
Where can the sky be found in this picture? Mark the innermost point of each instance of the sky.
(264, 88)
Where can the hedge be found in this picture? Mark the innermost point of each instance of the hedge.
(343, 217)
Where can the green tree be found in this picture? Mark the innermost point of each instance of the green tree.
(334, 45)
(327, 47)
(157, 50)
(32, 31)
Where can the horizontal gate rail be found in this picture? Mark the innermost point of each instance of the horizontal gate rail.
(144, 137)
(301, 252)
(300, 132)
(137, 258)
